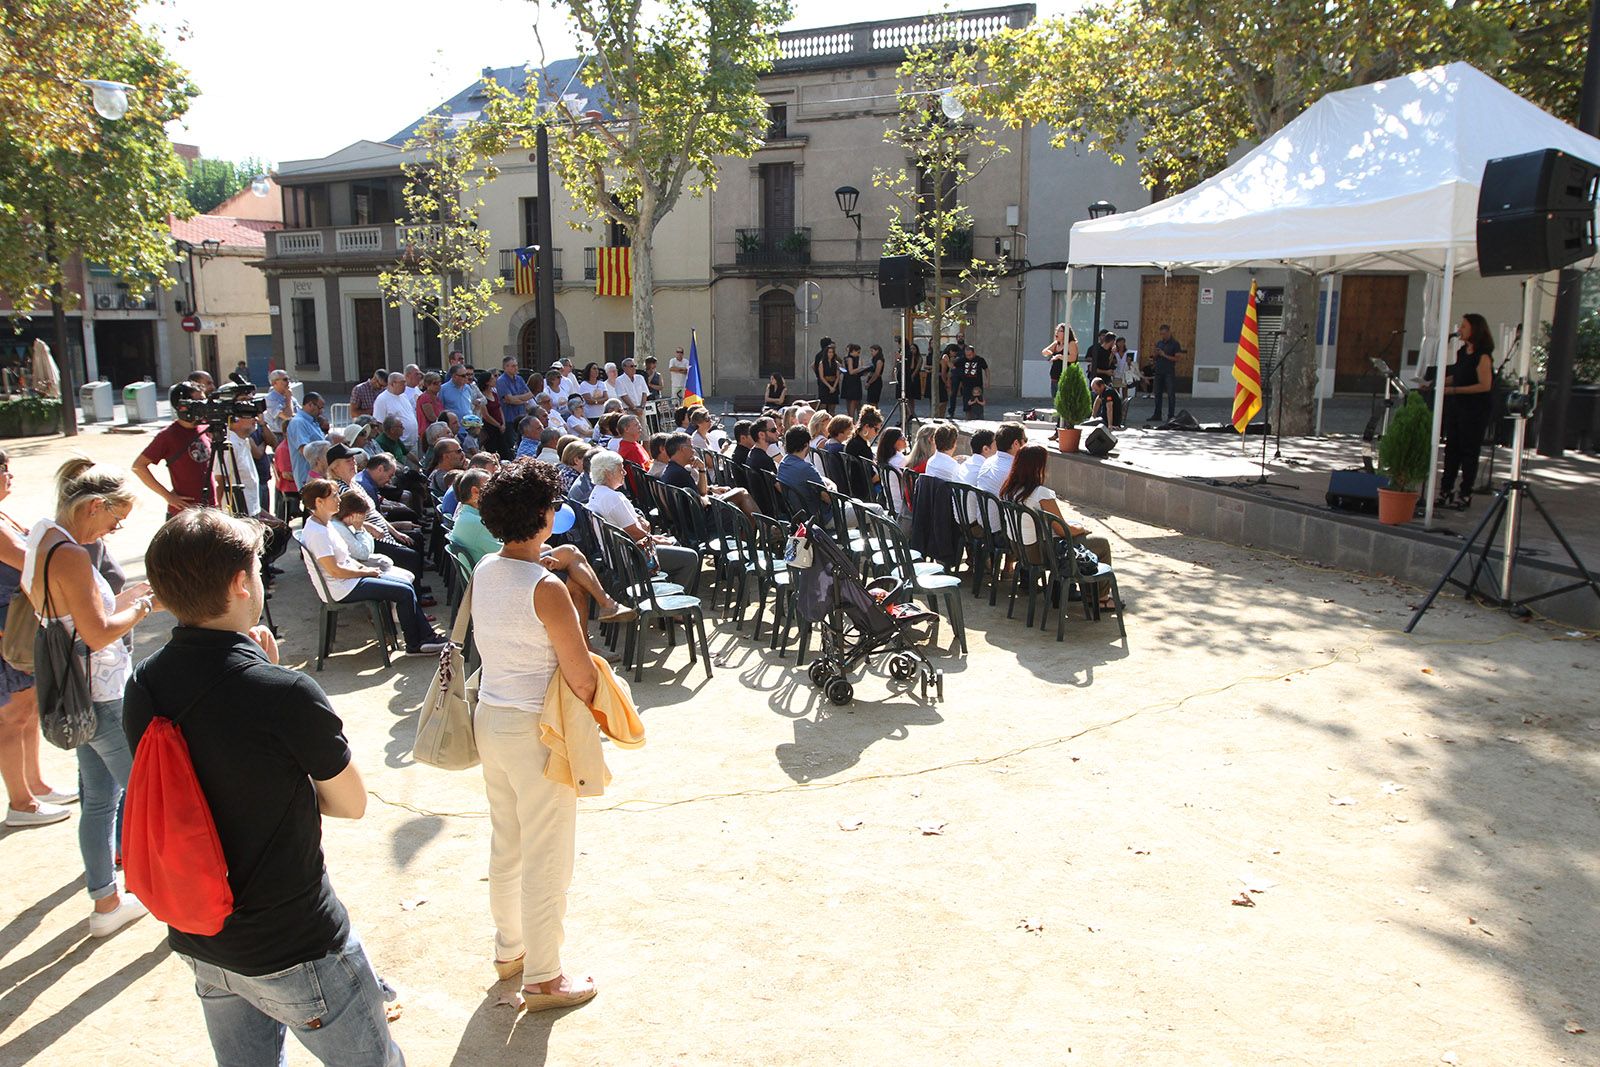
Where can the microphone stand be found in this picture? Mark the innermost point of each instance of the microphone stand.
(1277, 372)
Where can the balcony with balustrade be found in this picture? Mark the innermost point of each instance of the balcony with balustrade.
(508, 264)
(345, 244)
(772, 247)
(884, 42)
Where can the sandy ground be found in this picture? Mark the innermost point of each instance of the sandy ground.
(1415, 815)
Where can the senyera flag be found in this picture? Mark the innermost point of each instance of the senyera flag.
(1247, 368)
(691, 384)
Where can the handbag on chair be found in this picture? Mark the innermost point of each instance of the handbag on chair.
(444, 727)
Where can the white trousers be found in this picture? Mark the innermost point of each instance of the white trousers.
(531, 826)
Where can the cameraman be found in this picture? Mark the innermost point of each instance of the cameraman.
(272, 760)
(185, 447)
(245, 451)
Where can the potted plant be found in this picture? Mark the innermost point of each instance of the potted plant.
(1403, 457)
(30, 416)
(1073, 405)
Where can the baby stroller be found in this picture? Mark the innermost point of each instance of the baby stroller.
(858, 621)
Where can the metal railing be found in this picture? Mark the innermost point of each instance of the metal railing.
(508, 263)
(767, 247)
(108, 294)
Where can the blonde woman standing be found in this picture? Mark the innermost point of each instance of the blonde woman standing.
(1062, 350)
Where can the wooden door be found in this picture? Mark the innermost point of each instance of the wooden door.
(1172, 301)
(777, 335)
(368, 313)
(777, 201)
(1372, 320)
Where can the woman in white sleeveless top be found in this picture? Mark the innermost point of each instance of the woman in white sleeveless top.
(526, 628)
(93, 502)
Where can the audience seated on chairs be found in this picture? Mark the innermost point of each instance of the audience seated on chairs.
(704, 431)
(1024, 485)
(584, 485)
(892, 447)
(350, 526)
(482, 461)
(1008, 441)
(530, 437)
(798, 474)
(549, 448)
(685, 471)
(680, 565)
(349, 580)
(572, 457)
(840, 430)
(658, 454)
(577, 424)
(742, 440)
(921, 448)
(448, 459)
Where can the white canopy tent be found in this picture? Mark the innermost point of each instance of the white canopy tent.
(1380, 177)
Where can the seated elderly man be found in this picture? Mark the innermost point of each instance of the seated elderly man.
(686, 471)
(530, 435)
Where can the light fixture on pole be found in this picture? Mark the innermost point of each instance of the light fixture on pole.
(951, 105)
(110, 98)
(1099, 210)
(261, 185)
(847, 195)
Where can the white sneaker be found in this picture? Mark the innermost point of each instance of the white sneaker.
(45, 814)
(56, 796)
(430, 648)
(104, 924)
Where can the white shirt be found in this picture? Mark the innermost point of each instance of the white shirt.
(403, 406)
(549, 455)
(633, 391)
(248, 477)
(579, 425)
(971, 467)
(1030, 530)
(678, 372)
(991, 478)
(944, 465)
(613, 507)
(595, 395)
(557, 393)
(110, 666)
(323, 543)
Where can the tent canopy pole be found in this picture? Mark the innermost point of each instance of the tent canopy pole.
(1446, 297)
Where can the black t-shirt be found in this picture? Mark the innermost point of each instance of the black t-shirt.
(257, 740)
(682, 477)
(757, 459)
(1171, 348)
(741, 453)
(1103, 361)
(970, 371)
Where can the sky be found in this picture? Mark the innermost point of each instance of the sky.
(298, 79)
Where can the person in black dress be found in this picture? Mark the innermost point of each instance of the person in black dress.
(912, 377)
(873, 380)
(850, 379)
(1469, 389)
(777, 393)
(826, 367)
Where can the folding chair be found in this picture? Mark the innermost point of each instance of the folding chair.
(330, 606)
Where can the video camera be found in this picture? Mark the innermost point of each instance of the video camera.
(226, 403)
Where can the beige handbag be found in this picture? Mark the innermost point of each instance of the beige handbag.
(444, 728)
(22, 626)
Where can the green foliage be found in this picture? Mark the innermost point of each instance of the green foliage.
(1073, 400)
(211, 181)
(1403, 450)
(105, 196)
(927, 218)
(442, 273)
(29, 416)
(679, 83)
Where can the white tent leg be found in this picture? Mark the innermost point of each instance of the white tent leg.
(1446, 297)
(1322, 349)
(1067, 315)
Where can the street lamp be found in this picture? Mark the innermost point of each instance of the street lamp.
(847, 195)
(951, 105)
(110, 98)
(261, 185)
(1099, 210)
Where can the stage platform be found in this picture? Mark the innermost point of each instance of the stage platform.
(1208, 484)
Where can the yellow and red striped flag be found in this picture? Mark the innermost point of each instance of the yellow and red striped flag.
(525, 272)
(613, 274)
(1247, 368)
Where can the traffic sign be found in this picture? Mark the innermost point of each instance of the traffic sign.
(191, 323)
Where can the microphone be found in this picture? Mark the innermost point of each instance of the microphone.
(1452, 335)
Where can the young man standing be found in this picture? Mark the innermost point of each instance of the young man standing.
(185, 447)
(271, 758)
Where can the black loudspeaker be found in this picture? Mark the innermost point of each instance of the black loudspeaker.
(1100, 442)
(900, 282)
(1536, 212)
(1355, 491)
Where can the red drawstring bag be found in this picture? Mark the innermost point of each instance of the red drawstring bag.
(171, 855)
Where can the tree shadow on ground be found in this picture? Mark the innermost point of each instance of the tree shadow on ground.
(26, 979)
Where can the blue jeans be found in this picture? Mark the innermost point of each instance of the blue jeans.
(103, 766)
(403, 597)
(333, 1004)
(1166, 383)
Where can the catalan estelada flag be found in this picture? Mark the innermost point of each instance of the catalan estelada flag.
(525, 274)
(692, 393)
(1247, 368)
(613, 273)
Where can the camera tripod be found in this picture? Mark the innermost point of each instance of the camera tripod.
(1506, 511)
(225, 484)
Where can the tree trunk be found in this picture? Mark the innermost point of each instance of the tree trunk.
(58, 315)
(1297, 350)
(644, 283)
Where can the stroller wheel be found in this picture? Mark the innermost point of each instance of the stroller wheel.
(840, 692)
(902, 668)
(818, 671)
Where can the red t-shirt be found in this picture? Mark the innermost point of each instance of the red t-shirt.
(429, 410)
(633, 452)
(186, 450)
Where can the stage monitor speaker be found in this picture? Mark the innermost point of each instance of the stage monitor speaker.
(900, 283)
(1100, 442)
(1536, 212)
(1355, 491)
